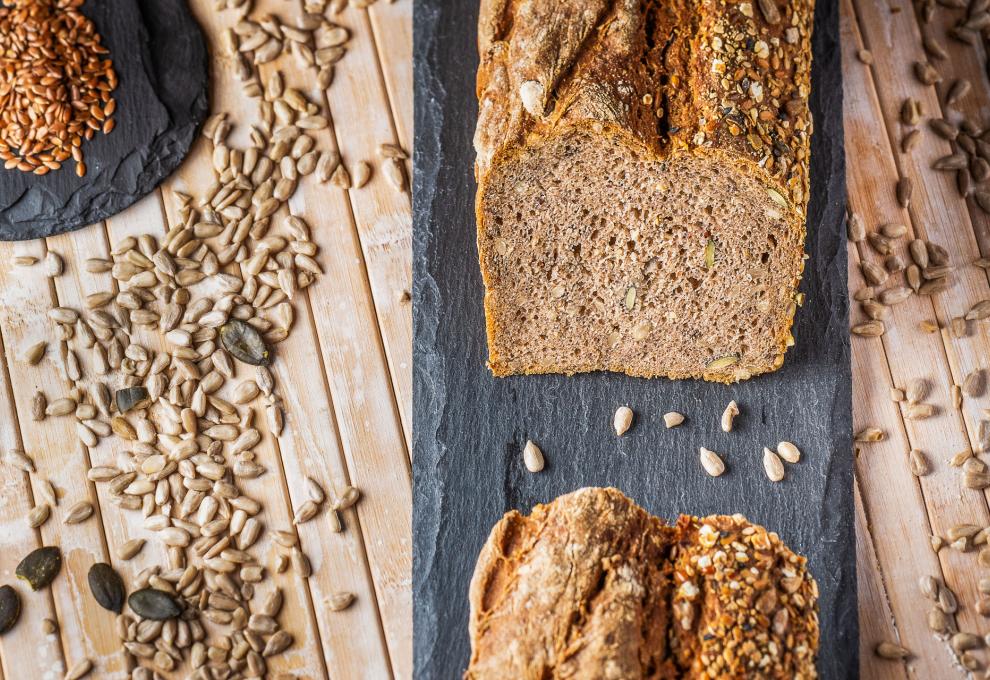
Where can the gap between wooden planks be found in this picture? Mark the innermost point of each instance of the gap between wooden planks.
(873, 98)
(351, 647)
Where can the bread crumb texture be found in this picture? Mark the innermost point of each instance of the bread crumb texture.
(593, 586)
(642, 178)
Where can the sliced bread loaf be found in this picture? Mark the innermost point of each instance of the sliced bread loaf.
(642, 178)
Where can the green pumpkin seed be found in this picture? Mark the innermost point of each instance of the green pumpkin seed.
(151, 603)
(107, 587)
(243, 341)
(131, 398)
(40, 567)
(10, 608)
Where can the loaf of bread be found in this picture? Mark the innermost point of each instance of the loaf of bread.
(592, 586)
(642, 175)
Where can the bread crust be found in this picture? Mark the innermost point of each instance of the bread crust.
(593, 586)
(708, 77)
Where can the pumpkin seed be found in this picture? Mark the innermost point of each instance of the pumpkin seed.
(131, 398)
(154, 604)
(107, 587)
(10, 608)
(40, 567)
(245, 343)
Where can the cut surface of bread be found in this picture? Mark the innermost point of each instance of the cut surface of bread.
(642, 184)
(593, 586)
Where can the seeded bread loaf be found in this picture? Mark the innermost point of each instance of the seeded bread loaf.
(592, 586)
(642, 178)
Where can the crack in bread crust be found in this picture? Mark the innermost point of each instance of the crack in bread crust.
(593, 586)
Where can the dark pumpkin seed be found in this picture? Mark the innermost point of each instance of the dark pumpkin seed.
(107, 587)
(245, 343)
(154, 604)
(131, 398)
(10, 608)
(40, 567)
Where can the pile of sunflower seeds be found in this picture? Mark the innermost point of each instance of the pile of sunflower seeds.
(218, 291)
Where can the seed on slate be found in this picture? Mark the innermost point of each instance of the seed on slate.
(244, 342)
(788, 452)
(870, 434)
(10, 608)
(79, 512)
(672, 419)
(919, 463)
(533, 457)
(728, 415)
(711, 462)
(890, 650)
(772, 465)
(40, 567)
(151, 603)
(903, 190)
(622, 420)
(106, 586)
(340, 600)
(132, 398)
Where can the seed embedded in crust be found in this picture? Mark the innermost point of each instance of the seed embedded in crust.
(622, 420)
(533, 457)
(711, 462)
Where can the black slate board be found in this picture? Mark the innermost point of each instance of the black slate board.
(469, 428)
(161, 61)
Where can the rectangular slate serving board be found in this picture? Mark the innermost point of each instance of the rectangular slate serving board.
(469, 428)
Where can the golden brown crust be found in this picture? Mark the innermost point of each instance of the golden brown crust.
(592, 586)
(708, 77)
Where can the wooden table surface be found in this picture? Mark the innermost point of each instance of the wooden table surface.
(345, 374)
(897, 512)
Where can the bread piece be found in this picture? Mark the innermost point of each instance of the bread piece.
(642, 178)
(592, 586)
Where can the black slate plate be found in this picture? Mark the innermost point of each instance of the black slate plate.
(469, 428)
(162, 97)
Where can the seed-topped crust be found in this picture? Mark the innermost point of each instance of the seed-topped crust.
(593, 586)
(696, 88)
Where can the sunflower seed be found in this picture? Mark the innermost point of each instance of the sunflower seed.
(533, 457)
(79, 512)
(772, 465)
(711, 462)
(788, 452)
(728, 415)
(672, 419)
(870, 434)
(919, 463)
(38, 515)
(80, 670)
(890, 650)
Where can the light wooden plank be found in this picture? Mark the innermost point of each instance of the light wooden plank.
(876, 621)
(362, 619)
(359, 106)
(392, 23)
(86, 629)
(871, 180)
(25, 646)
(964, 61)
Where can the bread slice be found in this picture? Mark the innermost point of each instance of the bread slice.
(642, 178)
(592, 586)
